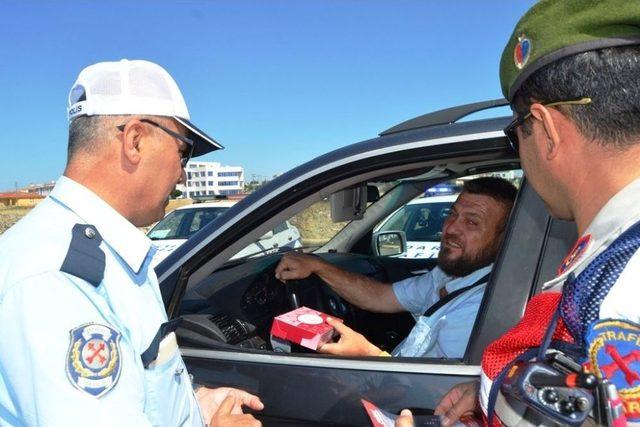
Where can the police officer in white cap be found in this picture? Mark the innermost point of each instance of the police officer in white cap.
(85, 338)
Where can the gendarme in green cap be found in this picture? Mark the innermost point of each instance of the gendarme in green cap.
(554, 29)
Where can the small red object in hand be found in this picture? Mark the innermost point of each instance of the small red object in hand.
(303, 326)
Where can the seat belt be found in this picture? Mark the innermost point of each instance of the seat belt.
(452, 295)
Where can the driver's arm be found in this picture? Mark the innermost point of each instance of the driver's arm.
(360, 290)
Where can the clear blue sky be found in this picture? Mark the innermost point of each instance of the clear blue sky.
(277, 82)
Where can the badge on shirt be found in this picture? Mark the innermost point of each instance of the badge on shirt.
(576, 253)
(93, 359)
(614, 354)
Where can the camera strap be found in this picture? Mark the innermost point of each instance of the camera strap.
(579, 305)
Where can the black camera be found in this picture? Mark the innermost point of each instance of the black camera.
(563, 398)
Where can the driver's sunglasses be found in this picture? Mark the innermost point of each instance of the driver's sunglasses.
(185, 155)
(510, 130)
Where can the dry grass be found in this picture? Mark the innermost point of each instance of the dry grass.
(315, 225)
(9, 215)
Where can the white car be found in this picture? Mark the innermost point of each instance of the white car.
(178, 225)
(421, 219)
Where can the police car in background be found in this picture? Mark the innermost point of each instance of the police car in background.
(183, 222)
(421, 220)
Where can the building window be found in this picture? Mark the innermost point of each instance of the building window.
(220, 174)
(211, 183)
(228, 183)
(210, 173)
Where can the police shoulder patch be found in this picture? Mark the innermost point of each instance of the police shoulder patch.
(93, 359)
(614, 354)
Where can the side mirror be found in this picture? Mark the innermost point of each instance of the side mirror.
(389, 243)
(267, 235)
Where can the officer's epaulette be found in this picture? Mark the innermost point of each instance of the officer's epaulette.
(84, 258)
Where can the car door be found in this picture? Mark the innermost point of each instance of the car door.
(300, 389)
(324, 390)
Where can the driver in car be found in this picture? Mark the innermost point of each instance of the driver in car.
(443, 301)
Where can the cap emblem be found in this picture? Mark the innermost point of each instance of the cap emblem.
(522, 52)
(77, 94)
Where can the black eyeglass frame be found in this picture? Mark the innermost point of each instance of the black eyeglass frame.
(184, 156)
(510, 129)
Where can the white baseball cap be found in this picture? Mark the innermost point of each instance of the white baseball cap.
(137, 88)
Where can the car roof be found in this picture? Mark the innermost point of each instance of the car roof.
(218, 204)
(434, 199)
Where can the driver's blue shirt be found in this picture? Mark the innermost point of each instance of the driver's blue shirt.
(446, 332)
(79, 306)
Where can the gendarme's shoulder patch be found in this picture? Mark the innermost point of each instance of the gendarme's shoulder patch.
(93, 360)
(614, 354)
(575, 254)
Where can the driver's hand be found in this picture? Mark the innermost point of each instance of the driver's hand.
(294, 265)
(350, 343)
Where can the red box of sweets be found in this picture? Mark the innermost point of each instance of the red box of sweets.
(303, 326)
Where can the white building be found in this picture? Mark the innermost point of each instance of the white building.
(41, 189)
(205, 179)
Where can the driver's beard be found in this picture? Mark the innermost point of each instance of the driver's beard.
(466, 263)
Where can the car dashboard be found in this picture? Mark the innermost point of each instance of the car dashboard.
(235, 306)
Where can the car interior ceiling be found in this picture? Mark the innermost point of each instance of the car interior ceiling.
(233, 307)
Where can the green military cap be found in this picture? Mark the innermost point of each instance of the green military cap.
(554, 29)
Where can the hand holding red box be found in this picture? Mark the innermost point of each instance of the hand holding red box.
(303, 326)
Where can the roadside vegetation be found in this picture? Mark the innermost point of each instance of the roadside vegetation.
(314, 223)
(9, 215)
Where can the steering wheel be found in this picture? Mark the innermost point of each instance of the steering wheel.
(325, 300)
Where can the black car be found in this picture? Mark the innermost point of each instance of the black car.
(228, 304)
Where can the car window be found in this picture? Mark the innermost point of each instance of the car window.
(421, 222)
(280, 227)
(204, 217)
(182, 223)
(426, 221)
(168, 227)
(315, 225)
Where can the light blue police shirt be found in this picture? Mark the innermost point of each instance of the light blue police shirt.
(446, 332)
(70, 350)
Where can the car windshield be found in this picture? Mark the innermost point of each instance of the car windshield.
(182, 223)
(422, 222)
